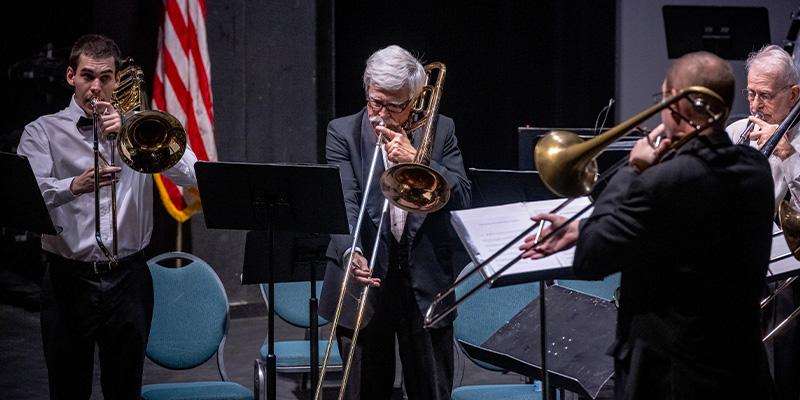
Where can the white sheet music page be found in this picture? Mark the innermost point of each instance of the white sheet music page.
(487, 229)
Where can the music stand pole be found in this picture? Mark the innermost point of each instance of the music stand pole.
(271, 359)
(543, 329)
(313, 365)
(542, 340)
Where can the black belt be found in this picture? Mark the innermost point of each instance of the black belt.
(96, 267)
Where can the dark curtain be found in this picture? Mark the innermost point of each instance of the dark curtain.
(509, 64)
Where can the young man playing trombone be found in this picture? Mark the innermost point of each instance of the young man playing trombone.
(690, 229)
(418, 254)
(87, 298)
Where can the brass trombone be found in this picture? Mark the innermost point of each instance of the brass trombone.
(567, 166)
(149, 141)
(414, 187)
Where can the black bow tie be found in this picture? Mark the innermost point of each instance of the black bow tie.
(84, 122)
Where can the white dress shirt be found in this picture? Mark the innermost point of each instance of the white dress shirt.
(785, 173)
(59, 151)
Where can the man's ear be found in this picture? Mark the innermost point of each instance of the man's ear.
(794, 94)
(71, 76)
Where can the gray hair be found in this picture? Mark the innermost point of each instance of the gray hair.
(394, 68)
(777, 60)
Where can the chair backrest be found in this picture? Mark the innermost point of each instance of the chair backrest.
(190, 313)
(488, 309)
(291, 302)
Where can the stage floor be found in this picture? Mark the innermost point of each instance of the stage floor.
(23, 374)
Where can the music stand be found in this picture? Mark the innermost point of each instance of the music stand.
(269, 198)
(782, 263)
(491, 187)
(729, 32)
(303, 253)
(488, 184)
(23, 206)
(582, 329)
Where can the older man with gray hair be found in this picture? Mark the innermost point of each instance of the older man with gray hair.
(772, 90)
(419, 254)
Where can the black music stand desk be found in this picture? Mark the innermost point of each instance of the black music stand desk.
(22, 206)
(729, 32)
(274, 197)
(580, 328)
(491, 187)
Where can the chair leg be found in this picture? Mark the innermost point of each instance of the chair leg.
(258, 379)
(304, 381)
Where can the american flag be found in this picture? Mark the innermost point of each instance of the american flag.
(182, 87)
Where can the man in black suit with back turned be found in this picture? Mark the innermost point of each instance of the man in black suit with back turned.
(419, 254)
(691, 233)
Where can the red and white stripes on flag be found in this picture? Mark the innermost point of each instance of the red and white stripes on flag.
(182, 87)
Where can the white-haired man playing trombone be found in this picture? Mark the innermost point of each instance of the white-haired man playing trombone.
(772, 90)
(418, 255)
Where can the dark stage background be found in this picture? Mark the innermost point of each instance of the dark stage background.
(509, 64)
(281, 70)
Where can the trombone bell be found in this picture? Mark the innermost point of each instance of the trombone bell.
(570, 178)
(790, 224)
(151, 141)
(415, 188)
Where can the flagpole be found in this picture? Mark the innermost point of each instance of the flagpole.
(179, 242)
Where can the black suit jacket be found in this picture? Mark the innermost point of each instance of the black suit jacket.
(692, 238)
(435, 255)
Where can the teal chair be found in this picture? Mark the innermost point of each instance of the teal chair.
(190, 322)
(293, 356)
(481, 316)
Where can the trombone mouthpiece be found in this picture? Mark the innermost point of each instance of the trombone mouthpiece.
(377, 121)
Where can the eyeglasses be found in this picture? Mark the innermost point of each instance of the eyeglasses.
(376, 105)
(763, 95)
(658, 97)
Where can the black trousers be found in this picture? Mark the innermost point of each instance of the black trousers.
(646, 373)
(81, 309)
(426, 354)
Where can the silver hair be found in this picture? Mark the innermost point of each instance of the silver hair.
(394, 68)
(777, 60)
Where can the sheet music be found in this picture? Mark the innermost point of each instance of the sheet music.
(485, 230)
